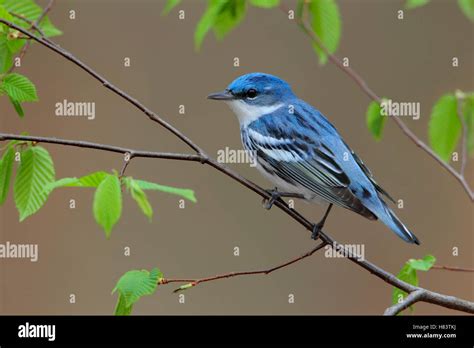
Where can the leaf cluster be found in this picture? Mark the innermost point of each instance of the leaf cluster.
(23, 13)
(35, 180)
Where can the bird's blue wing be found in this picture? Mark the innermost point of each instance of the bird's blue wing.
(295, 150)
(369, 175)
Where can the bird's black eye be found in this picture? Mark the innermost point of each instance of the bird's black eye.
(251, 93)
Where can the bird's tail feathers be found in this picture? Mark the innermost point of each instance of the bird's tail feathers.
(394, 223)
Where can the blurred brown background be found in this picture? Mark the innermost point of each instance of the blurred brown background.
(408, 60)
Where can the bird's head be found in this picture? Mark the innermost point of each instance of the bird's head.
(253, 95)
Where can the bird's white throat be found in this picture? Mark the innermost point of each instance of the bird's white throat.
(247, 113)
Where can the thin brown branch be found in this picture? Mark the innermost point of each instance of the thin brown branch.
(412, 298)
(45, 12)
(452, 268)
(103, 147)
(127, 158)
(431, 297)
(372, 95)
(194, 282)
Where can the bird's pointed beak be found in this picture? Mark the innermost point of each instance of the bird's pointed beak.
(224, 95)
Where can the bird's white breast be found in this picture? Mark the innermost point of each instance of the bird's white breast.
(247, 113)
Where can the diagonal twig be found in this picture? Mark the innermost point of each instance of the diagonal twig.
(194, 282)
(452, 268)
(46, 10)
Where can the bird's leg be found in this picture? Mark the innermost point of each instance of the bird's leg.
(276, 196)
(319, 226)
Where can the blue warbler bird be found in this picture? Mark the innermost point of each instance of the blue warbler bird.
(302, 153)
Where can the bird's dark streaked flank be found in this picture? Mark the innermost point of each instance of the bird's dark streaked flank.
(301, 152)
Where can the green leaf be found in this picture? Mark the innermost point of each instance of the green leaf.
(132, 286)
(170, 5)
(31, 11)
(15, 45)
(49, 29)
(5, 15)
(186, 193)
(6, 167)
(107, 206)
(25, 8)
(8, 45)
(265, 3)
(467, 7)
(207, 21)
(444, 129)
(61, 183)
(17, 106)
(409, 275)
(468, 112)
(229, 17)
(326, 23)
(91, 180)
(139, 196)
(121, 307)
(36, 170)
(6, 57)
(375, 120)
(19, 88)
(423, 264)
(411, 4)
